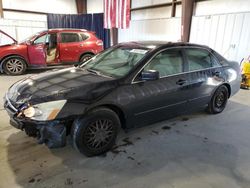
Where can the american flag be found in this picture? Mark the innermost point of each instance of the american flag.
(116, 14)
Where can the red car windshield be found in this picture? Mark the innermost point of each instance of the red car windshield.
(32, 37)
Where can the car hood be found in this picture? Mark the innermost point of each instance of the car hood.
(2, 46)
(14, 41)
(71, 84)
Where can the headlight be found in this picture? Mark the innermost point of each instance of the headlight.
(44, 111)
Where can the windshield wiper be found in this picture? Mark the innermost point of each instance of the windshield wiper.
(98, 73)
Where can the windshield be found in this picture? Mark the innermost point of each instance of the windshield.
(115, 62)
(31, 37)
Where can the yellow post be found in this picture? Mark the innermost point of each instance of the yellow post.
(245, 70)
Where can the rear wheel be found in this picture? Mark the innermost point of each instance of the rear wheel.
(14, 65)
(95, 133)
(86, 57)
(219, 100)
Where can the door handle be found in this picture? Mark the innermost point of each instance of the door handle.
(181, 82)
(81, 45)
(216, 73)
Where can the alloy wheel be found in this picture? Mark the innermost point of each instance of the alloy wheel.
(86, 58)
(14, 65)
(99, 134)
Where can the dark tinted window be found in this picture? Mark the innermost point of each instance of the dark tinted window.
(69, 37)
(168, 62)
(52, 40)
(200, 59)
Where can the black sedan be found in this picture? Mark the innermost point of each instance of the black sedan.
(126, 86)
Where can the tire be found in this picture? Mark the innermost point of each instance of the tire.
(84, 130)
(85, 58)
(14, 65)
(219, 100)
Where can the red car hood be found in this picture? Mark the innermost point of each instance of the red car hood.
(8, 36)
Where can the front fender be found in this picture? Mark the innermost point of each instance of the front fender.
(1, 67)
(71, 109)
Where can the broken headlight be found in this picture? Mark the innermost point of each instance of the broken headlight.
(44, 111)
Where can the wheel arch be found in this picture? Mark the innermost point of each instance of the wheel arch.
(120, 113)
(85, 53)
(223, 84)
(228, 88)
(10, 55)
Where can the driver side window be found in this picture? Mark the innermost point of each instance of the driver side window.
(168, 62)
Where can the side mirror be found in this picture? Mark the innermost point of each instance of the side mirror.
(150, 75)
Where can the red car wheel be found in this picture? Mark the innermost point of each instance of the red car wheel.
(14, 65)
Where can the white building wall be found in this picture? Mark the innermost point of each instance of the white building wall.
(48, 6)
(221, 7)
(152, 24)
(21, 25)
(21, 29)
(95, 6)
(142, 3)
(24, 16)
(224, 26)
(228, 34)
(220, 24)
(156, 13)
(166, 29)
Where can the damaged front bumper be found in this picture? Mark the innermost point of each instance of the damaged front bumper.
(52, 133)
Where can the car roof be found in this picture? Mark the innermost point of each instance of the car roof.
(159, 44)
(67, 30)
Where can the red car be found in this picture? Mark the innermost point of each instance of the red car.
(52, 47)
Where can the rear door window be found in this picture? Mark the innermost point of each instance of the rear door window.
(199, 59)
(69, 37)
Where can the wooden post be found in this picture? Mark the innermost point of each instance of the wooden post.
(81, 6)
(114, 36)
(1, 9)
(186, 19)
(173, 11)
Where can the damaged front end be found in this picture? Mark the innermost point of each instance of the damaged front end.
(39, 121)
(45, 105)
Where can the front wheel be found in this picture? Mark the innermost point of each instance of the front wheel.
(219, 100)
(85, 58)
(14, 65)
(96, 132)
